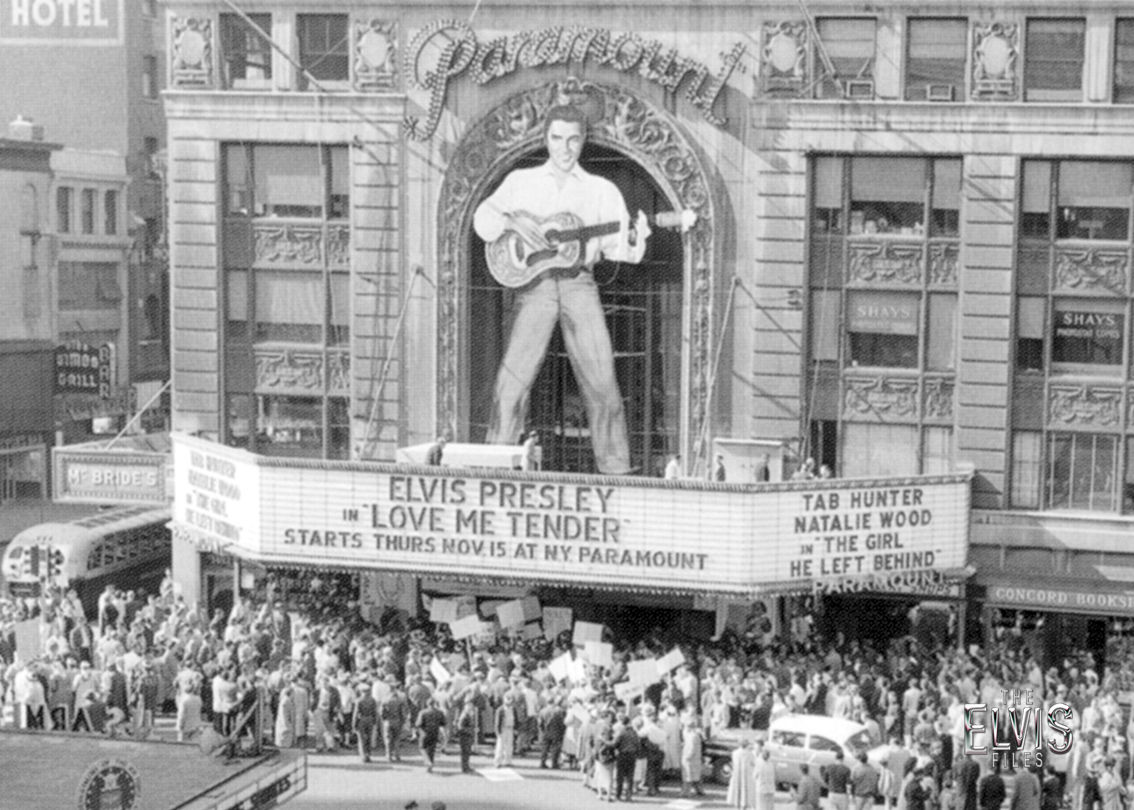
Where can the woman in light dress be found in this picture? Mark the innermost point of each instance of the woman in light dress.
(742, 780)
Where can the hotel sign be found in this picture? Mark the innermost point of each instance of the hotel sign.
(622, 532)
(61, 22)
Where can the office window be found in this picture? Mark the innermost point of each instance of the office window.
(883, 328)
(88, 285)
(1027, 463)
(247, 57)
(879, 450)
(1124, 60)
(945, 201)
(323, 47)
(87, 210)
(1053, 59)
(887, 195)
(1029, 333)
(1081, 472)
(1087, 332)
(935, 59)
(1035, 208)
(149, 77)
(941, 335)
(288, 181)
(268, 180)
(110, 213)
(63, 202)
(936, 450)
(846, 46)
(825, 324)
(1093, 199)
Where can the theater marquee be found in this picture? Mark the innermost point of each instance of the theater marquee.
(595, 530)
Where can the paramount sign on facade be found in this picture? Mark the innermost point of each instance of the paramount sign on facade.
(447, 49)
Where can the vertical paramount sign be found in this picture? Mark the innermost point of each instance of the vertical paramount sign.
(61, 22)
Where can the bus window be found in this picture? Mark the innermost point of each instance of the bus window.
(94, 558)
(123, 548)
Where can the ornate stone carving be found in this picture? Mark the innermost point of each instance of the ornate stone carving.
(338, 246)
(191, 52)
(289, 370)
(1091, 269)
(375, 55)
(783, 58)
(1083, 405)
(287, 244)
(995, 60)
(338, 373)
(883, 399)
(943, 264)
(937, 399)
(884, 262)
(619, 121)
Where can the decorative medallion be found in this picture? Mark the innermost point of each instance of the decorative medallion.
(191, 60)
(783, 64)
(289, 370)
(375, 55)
(1083, 405)
(882, 399)
(884, 262)
(1091, 270)
(995, 57)
(110, 783)
(619, 121)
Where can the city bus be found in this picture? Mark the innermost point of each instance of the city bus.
(129, 546)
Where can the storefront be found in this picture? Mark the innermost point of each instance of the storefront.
(26, 425)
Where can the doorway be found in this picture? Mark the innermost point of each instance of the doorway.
(643, 304)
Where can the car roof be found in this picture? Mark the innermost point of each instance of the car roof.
(817, 724)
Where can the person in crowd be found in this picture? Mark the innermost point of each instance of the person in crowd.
(691, 757)
(430, 723)
(466, 732)
(764, 779)
(627, 744)
(863, 782)
(808, 792)
(505, 723)
(364, 721)
(742, 777)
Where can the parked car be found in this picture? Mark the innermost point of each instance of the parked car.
(717, 751)
(812, 738)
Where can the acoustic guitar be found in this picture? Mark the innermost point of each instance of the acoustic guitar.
(533, 245)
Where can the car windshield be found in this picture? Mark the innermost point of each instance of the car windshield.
(859, 741)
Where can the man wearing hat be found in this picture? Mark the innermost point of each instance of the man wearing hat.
(466, 732)
(531, 456)
(505, 731)
(365, 720)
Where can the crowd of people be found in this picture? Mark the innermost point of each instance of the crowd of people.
(296, 666)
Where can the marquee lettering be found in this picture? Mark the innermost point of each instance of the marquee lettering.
(457, 51)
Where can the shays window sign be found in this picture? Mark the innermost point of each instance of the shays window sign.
(84, 369)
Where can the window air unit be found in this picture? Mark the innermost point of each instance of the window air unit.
(859, 88)
(939, 92)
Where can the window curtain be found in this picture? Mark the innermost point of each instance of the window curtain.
(879, 450)
(283, 297)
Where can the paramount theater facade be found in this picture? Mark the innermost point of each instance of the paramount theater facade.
(910, 262)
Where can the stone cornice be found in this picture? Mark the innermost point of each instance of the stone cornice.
(329, 108)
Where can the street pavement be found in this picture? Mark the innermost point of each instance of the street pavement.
(341, 781)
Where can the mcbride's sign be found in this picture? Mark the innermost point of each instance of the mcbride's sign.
(67, 22)
(584, 529)
(445, 49)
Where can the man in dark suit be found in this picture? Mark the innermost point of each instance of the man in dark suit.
(364, 721)
(991, 790)
(967, 773)
(466, 732)
(627, 744)
(81, 639)
(552, 728)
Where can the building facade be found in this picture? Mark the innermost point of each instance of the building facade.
(90, 76)
(26, 426)
(911, 255)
